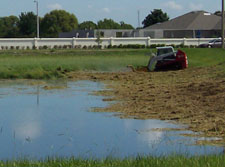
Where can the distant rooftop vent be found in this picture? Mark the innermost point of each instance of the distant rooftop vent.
(207, 14)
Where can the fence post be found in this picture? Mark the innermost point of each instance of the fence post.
(184, 41)
(111, 41)
(35, 45)
(148, 41)
(73, 42)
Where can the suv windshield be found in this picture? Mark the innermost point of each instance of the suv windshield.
(212, 41)
(215, 40)
(162, 51)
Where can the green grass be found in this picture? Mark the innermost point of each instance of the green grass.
(45, 64)
(140, 161)
(204, 57)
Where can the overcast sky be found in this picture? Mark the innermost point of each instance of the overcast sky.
(118, 10)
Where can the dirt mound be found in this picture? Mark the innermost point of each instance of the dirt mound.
(139, 69)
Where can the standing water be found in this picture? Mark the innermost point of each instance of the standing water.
(37, 122)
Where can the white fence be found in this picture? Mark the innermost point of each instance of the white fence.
(29, 43)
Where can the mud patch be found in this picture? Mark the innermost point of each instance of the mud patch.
(194, 97)
(48, 87)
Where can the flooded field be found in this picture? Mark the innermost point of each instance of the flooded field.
(39, 119)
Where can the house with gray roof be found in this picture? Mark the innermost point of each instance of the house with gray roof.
(196, 24)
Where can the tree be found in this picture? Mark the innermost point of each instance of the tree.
(108, 24)
(98, 40)
(8, 27)
(125, 26)
(87, 25)
(58, 21)
(156, 16)
(218, 13)
(27, 24)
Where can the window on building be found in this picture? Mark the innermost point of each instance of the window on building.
(119, 34)
(102, 34)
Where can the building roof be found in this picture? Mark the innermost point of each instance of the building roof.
(196, 20)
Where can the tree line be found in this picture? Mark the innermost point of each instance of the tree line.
(51, 24)
(61, 21)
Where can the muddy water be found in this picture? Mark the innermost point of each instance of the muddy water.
(48, 119)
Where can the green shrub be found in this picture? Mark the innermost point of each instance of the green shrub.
(120, 46)
(110, 46)
(45, 47)
(153, 46)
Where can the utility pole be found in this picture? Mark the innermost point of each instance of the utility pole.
(36, 1)
(139, 19)
(222, 22)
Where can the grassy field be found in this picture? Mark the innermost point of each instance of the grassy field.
(49, 64)
(173, 161)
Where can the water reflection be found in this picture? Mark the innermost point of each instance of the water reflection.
(28, 126)
(151, 138)
(38, 92)
(37, 122)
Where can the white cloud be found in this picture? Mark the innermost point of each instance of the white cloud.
(28, 127)
(172, 5)
(55, 6)
(106, 10)
(194, 7)
(145, 133)
(28, 130)
(90, 6)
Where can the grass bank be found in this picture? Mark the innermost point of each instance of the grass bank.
(173, 161)
(48, 64)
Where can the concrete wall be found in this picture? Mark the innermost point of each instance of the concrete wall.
(190, 33)
(29, 43)
(77, 34)
(114, 33)
(150, 33)
(178, 33)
